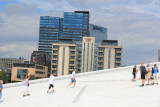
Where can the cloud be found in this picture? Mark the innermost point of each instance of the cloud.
(17, 49)
(19, 9)
(135, 24)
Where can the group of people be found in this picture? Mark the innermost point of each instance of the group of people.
(147, 73)
(51, 79)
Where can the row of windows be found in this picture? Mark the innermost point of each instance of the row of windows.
(49, 18)
(43, 40)
(50, 32)
(45, 37)
(55, 34)
(72, 33)
(39, 72)
(44, 29)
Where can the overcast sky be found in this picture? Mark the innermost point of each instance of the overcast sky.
(134, 23)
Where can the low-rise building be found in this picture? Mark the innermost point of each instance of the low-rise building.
(8, 62)
(19, 70)
(42, 58)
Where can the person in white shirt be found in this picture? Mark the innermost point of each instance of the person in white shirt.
(73, 80)
(149, 70)
(51, 79)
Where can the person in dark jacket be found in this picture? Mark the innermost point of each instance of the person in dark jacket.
(134, 73)
(143, 73)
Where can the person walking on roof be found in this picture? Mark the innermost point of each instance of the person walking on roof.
(26, 86)
(155, 72)
(51, 79)
(143, 73)
(73, 80)
(149, 70)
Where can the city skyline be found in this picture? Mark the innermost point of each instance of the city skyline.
(135, 24)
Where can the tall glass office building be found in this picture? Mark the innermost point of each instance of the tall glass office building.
(99, 32)
(51, 28)
(74, 25)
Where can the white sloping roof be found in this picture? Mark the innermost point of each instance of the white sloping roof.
(104, 88)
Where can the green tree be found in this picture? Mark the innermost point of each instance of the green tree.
(3, 76)
(32, 77)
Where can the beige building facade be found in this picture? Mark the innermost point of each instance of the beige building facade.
(64, 58)
(109, 56)
(87, 56)
(19, 71)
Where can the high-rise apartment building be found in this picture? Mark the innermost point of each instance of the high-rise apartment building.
(109, 54)
(87, 59)
(100, 33)
(64, 57)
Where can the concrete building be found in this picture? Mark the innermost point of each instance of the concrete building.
(99, 32)
(8, 62)
(64, 57)
(41, 58)
(19, 70)
(109, 54)
(159, 55)
(87, 59)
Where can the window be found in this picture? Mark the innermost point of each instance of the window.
(21, 73)
(39, 72)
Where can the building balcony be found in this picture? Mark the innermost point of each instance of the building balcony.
(100, 50)
(54, 58)
(100, 61)
(55, 49)
(100, 66)
(54, 73)
(118, 51)
(100, 55)
(72, 49)
(71, 59)
(71, 69)
(118, 56)
(55, 53)
(118, 61)
(71, 64)
(54, 68)
(54, 63)
(72, 54)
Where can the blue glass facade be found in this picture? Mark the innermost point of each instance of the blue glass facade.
(99, 32)
(49, 32)
(75, 25)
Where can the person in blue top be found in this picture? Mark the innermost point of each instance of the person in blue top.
(26, 87)
(1, 87)
(155, 72)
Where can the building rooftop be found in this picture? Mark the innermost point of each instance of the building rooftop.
(112, 87)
